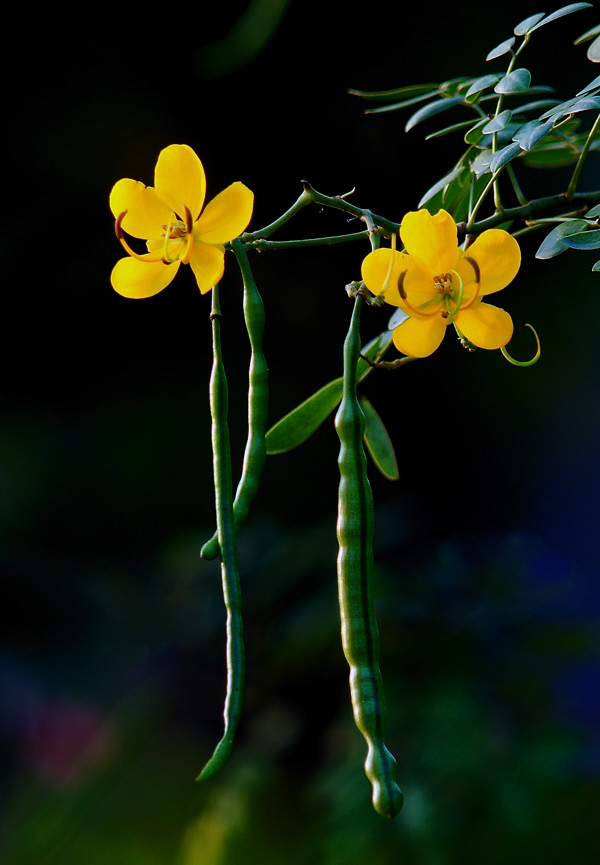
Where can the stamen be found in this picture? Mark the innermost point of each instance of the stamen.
(120, 234)
(407, 303)
(533, 360)
(189, 227)
(460, 295)
(388, 275)
(477, 273)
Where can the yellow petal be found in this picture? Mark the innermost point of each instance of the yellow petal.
(498, 258)
(208, 264)
(484, 325)
(226, 216)
(145, 211)
(381, 271)
(431, 239)
(419, 337)
(419, 286)
(136, 279)
(180, 180)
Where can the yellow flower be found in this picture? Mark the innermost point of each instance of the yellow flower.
(170, 218)
(436, 284)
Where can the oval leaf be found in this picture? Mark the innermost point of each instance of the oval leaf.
(531, 133)
(560, 13)
(497, 123)
(593, 52)
(515, 82)
(430, 110)
(501, 49)
(504, 156)
(302, 421)
(525, 26)
(481, 84)
(584, 240)
(553, 245)
(378, 442)
(441, 184)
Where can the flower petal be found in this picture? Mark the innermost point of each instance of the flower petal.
(419, 337)
(498, 257)
(381, 271)
(226, 216)
(180, 180)
(484, 325)
(431, 239)
(145, 211)
(133, 278)
(208, 264)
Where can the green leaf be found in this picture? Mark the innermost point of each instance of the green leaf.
(535, 106)
(596, 267)
(550, 156)
(573, 106)
(374, 351)
(430, 110)
(593, 212)
(553, 245)
(481, 163)
(504, 156)
(398, 106)
(396, 319)
(497, 123)
(585, 240)
(501, 49)
(408, 92)
(448, 129)
(441, 184)
(515, 82)
(378, 442)
(593, 85)
(525, 26)
(532, 133)
(589, 34)
(593, 52)
(560, 13)
(301, 422)
(481, 84)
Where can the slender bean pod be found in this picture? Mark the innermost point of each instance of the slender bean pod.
(258, 401)
(360, 635)
(227, 545)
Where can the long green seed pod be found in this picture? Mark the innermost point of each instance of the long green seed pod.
(258, 401)
(227, 544)
(360, 635)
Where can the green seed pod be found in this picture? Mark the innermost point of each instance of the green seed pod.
(258, 401)
(227, 545)
(360, 635)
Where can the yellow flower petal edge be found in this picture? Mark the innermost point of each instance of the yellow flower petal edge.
(437, 283)
(170, 216)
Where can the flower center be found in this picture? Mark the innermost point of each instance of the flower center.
(443, 285)
(179, 238)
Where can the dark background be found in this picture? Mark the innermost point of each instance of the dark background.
(112, 652)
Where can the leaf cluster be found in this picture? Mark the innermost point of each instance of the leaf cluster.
(509, 118)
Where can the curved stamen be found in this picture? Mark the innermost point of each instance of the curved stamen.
(413, 309)
(189, 227)
(533, 360)
(477, 273)
(460, 295)
(121, 236)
